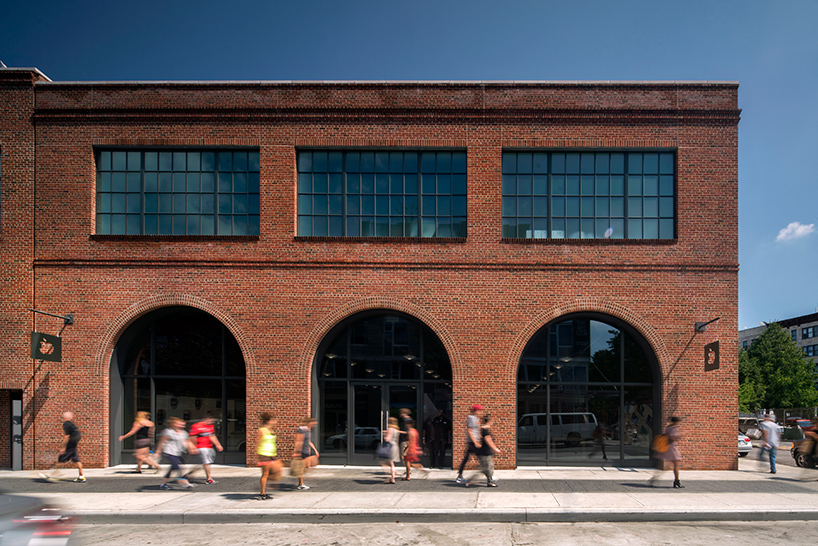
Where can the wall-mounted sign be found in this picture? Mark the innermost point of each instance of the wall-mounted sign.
(711, 356)
(46, 347)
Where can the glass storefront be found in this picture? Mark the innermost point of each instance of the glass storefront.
(585, 394)
(369, 368)
(183, 363)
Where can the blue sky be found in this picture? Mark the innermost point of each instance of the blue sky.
(771, 48)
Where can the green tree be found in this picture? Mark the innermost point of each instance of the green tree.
(773, 373)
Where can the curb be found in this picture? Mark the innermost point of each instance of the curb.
(436, 516)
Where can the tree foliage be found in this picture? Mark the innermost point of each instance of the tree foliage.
(774, 373)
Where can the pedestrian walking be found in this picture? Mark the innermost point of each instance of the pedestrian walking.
(305, 455)
(173, 444)
(771, 438)
(473, 441)
(485, 453)
(267, 452)
(665, 448)
(442, 432)
(207, 444)
(405, 416)
(143, 429)
(68, 449)
(391, 436)
(413, 450)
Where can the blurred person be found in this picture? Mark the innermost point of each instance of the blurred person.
(598, 436)
(473, 441)
(404, 416)
(391, 435)
(267, 452)
(68, 449)
(207, 444)
(771, 438)
(413, 450)
(485, 453)
(672, 436)
(173, 444)
(305, 455)
(143, 429)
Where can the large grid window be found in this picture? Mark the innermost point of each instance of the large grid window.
(381, 194)
(589, 195)
(177, 192)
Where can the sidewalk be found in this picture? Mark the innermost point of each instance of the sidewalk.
(355, 494)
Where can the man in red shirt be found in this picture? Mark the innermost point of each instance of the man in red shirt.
(206, 440)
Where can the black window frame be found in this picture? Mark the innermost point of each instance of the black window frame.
(372, 193)
(170, 192)
(599, 194)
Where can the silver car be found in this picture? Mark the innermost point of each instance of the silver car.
(745, 446)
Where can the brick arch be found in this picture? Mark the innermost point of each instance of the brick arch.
(125, 319)
(323, 328)
(587, 305)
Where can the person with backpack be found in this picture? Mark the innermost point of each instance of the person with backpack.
(666, 448)
(68, 451)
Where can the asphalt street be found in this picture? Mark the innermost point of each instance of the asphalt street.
(455, 534)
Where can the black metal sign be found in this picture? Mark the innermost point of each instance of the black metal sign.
(46, 347)
(711, 356)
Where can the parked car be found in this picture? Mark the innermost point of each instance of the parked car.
(745, 446)
(803, 451)
(365, 438)
(29, 521)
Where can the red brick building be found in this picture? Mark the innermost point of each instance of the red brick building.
(346, 249)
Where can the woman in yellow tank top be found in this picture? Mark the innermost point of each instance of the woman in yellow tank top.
(267, 452)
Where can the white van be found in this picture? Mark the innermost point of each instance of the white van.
(566, 428)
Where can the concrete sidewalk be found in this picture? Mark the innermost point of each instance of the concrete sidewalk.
(355, 494)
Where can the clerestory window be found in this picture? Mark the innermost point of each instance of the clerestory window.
(589, 195)
(177, 192)
(381, 193)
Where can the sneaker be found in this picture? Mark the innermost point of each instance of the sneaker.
(81, 479)
(303, 487)
(491, 484)
(210, 481)
(189, 485)
(459, 479)
(266, 496)
(165, 486)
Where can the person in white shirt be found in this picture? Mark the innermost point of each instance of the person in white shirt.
(772, 437)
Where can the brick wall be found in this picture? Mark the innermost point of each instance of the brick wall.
(484, 297)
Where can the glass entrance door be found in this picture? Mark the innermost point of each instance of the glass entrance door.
(371, 404)
(368, 405)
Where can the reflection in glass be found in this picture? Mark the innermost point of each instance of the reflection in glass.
(184, 363)
(579, 384)
(378, 364)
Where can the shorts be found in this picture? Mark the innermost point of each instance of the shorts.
(70, 454)
(264, 460)
(207, 455)
(142, 443)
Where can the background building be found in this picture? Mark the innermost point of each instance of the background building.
(348, 249)
(803, 329)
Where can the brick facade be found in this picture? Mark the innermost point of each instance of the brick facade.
(280, 294)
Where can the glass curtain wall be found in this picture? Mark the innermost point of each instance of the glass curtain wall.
(367, 370)
(183, 364)
(585, 394)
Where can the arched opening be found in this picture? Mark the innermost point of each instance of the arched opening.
(179, 362)
(366, 369)
(587, 391)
